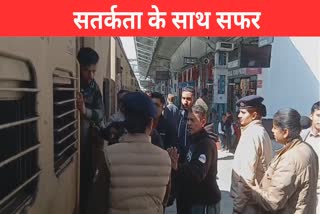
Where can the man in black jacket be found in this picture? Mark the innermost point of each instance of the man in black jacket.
(187, 100)
(167, 132)
(161, 124)
(197, 185)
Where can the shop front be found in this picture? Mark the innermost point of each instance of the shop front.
(241, 82)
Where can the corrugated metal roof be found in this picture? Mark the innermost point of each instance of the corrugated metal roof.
(145, 48)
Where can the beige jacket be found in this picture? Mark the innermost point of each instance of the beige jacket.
(290, 183)
(251, 159)
(139, 175)
(314, 141)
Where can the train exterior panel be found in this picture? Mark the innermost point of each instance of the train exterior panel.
(39, 125)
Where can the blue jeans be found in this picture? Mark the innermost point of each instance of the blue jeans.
(206, 209)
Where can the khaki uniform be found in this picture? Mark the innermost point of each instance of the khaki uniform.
(251, 159)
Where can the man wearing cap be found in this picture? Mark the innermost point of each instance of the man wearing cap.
(139, 171)
(204, 101)
(253, 153)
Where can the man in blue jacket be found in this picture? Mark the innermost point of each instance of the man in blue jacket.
(187, 100)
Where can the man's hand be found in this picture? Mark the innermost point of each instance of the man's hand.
(254, 188)
(80, 103)
(174, 156)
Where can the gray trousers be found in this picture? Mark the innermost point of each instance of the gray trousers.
(205, 209)
(223, 141)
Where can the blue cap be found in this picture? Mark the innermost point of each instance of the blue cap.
(251, 101)
(140, 104)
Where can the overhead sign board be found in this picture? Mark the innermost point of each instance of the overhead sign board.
(162, 75)
(145, 83)
(263, 41)
(245, 71)
(190, 60)
(233, 64)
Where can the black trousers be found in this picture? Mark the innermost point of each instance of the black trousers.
(183, 207)
(86, 175)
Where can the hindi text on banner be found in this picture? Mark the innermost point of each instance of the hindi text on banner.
(82, 18)
(155, 19)
(203, 19)
(185, 18)
(111, 19)
(241, 19)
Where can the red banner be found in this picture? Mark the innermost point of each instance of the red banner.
(159, 18)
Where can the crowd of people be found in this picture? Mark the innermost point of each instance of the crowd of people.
(154, 154)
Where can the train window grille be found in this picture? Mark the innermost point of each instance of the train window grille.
(65, 119)
(19, 144)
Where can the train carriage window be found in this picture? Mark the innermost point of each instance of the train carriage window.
(65, 119)
(18, 135)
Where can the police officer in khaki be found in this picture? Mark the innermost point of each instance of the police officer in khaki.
(253, 153)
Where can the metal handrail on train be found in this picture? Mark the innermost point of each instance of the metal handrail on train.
(66, 126)
(65, 138)
(25, 152)
(20, 154)
(34, 90)
(68, 147)
(20, 187)
(63, 166)
(20, 122)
